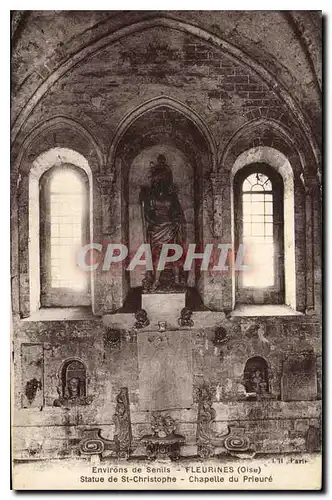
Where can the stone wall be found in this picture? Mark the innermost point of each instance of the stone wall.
(272, 424)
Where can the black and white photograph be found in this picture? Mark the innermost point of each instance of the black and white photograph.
(166, 249)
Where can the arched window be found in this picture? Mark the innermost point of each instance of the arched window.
(258, 195)
(64, 228)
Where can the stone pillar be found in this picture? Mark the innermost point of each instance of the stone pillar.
(310, 304)
(110, 286)
(218, 285)
(23, 248)
(316, 249)
(217, 194)
(106, 189)
(318, 237)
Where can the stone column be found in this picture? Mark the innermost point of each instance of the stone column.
(106, 189)
(110, 287)
(217, 193)
(310, 301)
(218, 284)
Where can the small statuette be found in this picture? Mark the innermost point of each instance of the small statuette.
(162, 326)
(73, 396)
(72, 389)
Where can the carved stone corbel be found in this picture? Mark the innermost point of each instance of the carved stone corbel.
(185, 318)
(112, 338)
(142, 319)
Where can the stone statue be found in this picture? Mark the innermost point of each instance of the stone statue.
(73, 388)
(163, 219)
(258, 383)
(72, 395)
(121, 419)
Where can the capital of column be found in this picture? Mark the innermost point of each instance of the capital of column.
(105, 183)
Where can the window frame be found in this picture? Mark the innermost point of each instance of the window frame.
(60, 296)
(274, 294)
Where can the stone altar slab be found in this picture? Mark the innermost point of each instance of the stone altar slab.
(165, 370)
(160, 306)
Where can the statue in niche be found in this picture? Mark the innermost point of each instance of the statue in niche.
(121, 419)
(72, 391)
(256, 377)
(163, 222)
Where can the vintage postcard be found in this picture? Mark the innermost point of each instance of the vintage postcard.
(166, 250)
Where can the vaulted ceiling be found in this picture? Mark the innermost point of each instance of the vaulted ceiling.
(90, 62)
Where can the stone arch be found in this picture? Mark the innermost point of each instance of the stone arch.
(279, 162)
(52, 125)
(52, 158)
(178, 132)
(155, 103)
(253, 128)
(167, 22)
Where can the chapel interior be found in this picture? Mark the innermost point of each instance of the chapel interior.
(225, 107)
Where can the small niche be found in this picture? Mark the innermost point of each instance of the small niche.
(256, 379)
(73, 379)
(73, 387)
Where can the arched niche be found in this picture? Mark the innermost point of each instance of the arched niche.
(256, 376)
(73, 384)
(162, 128)
(73, 370)
(153, 105)
(183, 177)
